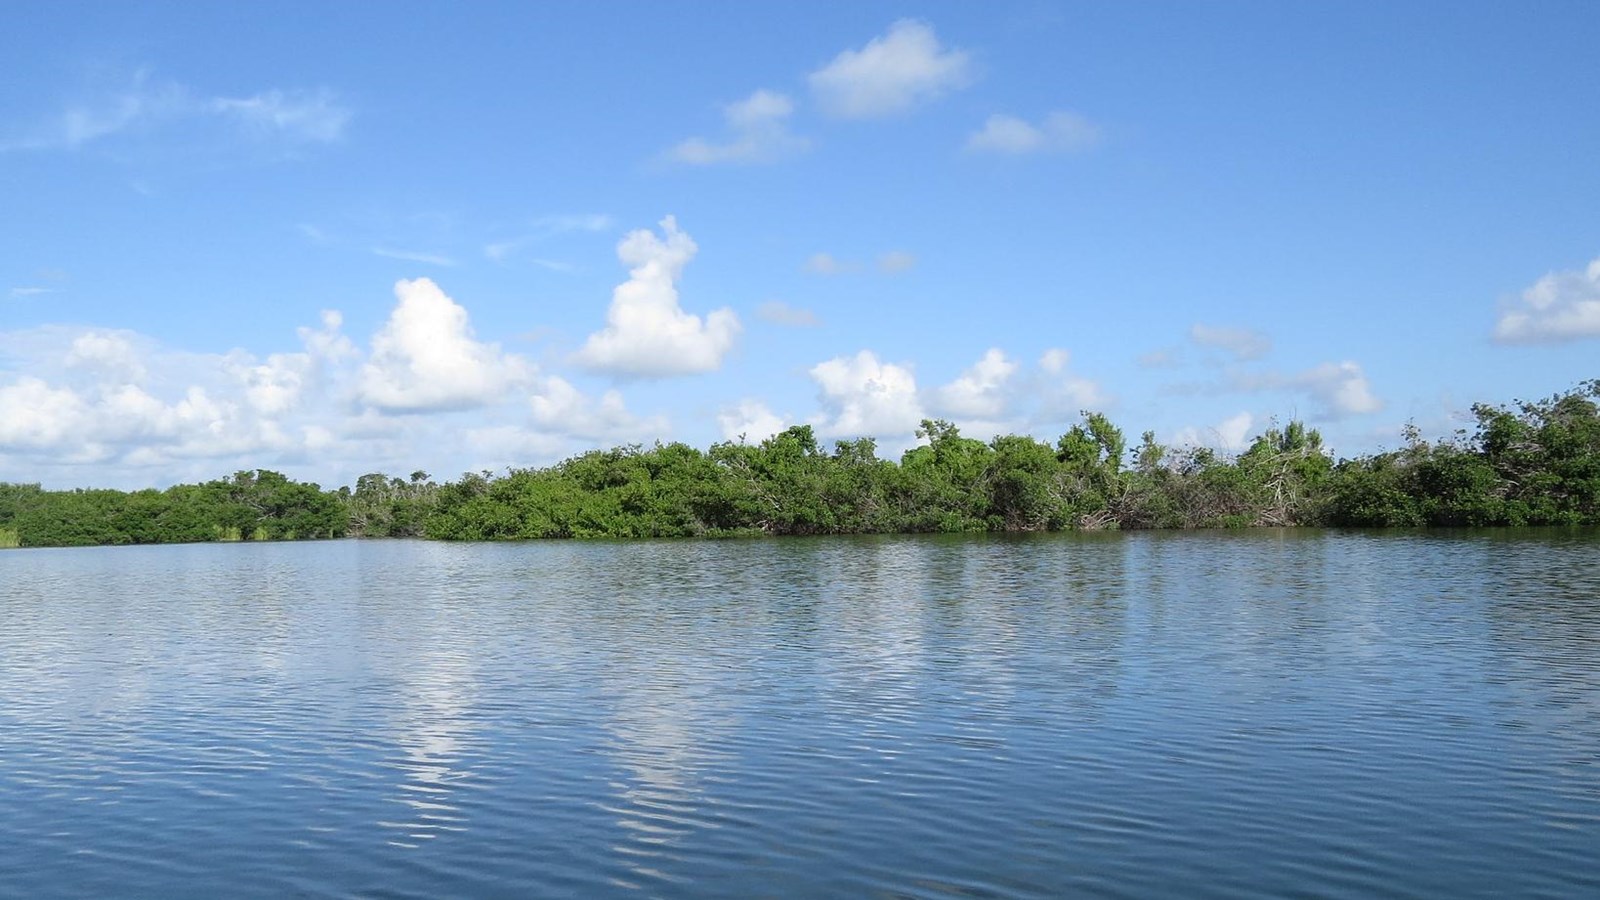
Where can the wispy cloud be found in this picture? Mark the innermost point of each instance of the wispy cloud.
(543, 228)
(309, 116)
(314, 234)
(554, 265)
(146, 105)
(432, 259)
(896, 261)
(828, 264)
(893, 262)
(1242, 343)
(20, 292)
(780, 313)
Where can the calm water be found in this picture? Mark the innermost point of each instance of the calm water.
(1125, 715)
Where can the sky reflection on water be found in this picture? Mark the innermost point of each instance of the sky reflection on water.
(1215, 714)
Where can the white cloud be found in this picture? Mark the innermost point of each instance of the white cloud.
(432, 259)
(828, 264)
(896, 261)
(1242, 343)
(892, 74)
(425, 357)
(327, 343)
(20, 292)
(560, 408)
(1063, 394)
(544, 228)
(1235, 429)
(1229, 434)
(863, 397)
(780, 313)
(138, 414)
(1340, 389)
(1561, 306)
(554, 265)
(981, 392)
(300, 116)
(750, 421)
(1163, 358)
(141, 103)
(146, 104)
(759, 131)
(1059, 132)
(997, 395)
(275, 385)
(34, 415)
(647, 333)
(497, 446)
(68, 425)
(891, 263)
(110, 354)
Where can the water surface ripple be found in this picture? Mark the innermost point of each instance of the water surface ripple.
(1257, 714)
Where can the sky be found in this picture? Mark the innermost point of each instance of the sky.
(339, 238)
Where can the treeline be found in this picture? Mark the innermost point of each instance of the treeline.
(256, 506)
(1536, 463)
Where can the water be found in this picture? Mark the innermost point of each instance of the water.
(1257, 714)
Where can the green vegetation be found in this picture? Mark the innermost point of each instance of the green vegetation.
(1537, 463)
(263, 505)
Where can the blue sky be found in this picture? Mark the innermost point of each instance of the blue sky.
(338, 238)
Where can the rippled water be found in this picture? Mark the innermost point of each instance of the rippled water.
(1265, 713)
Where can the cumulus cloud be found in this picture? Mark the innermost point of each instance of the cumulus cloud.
(425, 357)
(1241, 343)
(981, 392)
(560, 408)
(998, 395)
(647, 333)
(1058, 132)
(751, 421)
(1339, 389)
(93, 406)
(863, 397)
(892, 74)
(1228, 434)
(34, 415)
(1342, 388)
(69, 424)
(758, 133)
(108, 354)
(1561, 306)
(1063, 393)
(780, 313)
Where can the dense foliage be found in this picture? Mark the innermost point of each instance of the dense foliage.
(249, 506)
(1537, 463)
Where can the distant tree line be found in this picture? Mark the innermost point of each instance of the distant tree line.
(1535, 463)
(256, 506)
